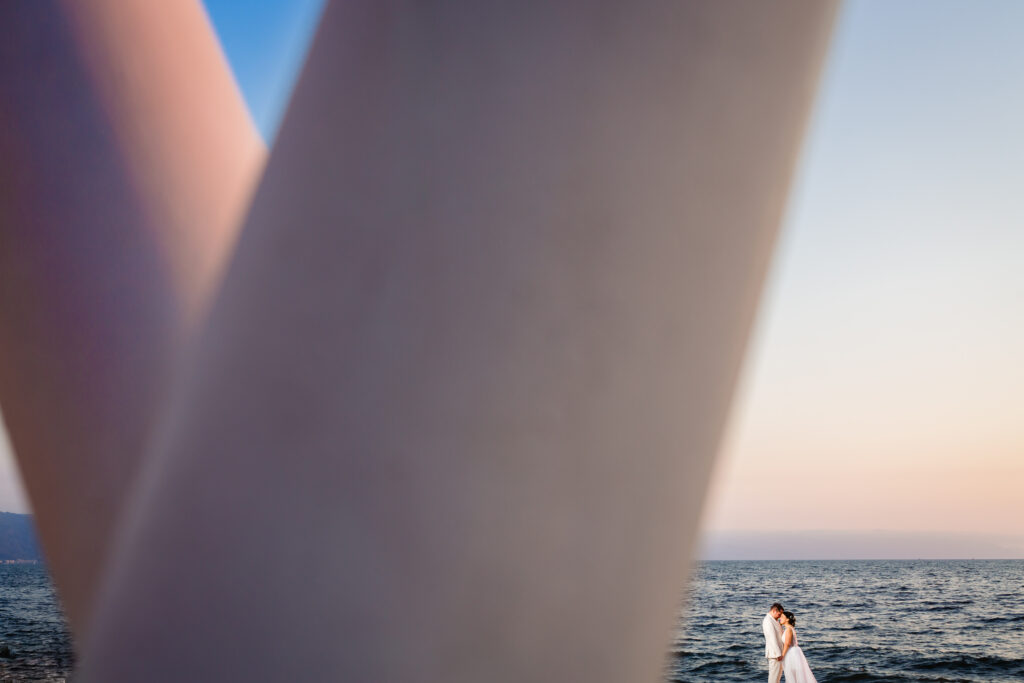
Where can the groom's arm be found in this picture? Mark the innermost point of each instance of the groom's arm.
(772, 638)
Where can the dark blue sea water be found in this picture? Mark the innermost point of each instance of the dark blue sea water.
(857, 621)
(32, 626)
(954, 620)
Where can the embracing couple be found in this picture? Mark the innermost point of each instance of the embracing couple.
(781, 649)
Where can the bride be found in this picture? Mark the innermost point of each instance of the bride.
(794, 666)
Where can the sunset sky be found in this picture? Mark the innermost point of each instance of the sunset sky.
(884, 386)
(883, 390)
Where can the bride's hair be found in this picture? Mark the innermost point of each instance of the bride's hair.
(790, 618)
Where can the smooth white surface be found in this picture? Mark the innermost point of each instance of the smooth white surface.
(471, 362)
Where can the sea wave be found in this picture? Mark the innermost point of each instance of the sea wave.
(858, 620)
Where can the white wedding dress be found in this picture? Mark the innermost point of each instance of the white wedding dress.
(794, 666)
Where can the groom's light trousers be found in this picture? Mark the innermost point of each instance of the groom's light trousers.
(774, 670)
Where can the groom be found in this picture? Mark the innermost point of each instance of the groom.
(773, 642)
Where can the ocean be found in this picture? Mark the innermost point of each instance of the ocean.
(955, 620)
(32, 627)
(930, 620)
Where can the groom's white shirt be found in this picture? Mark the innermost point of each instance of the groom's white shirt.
(772, 637)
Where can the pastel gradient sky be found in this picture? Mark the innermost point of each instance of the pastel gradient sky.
(883, 390)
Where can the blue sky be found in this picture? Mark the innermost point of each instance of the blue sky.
(266, 43)
(883, 388)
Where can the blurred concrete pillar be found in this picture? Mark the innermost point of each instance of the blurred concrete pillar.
(126, 159)
(455, 410)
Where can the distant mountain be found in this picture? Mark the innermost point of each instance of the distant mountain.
(18, 538)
